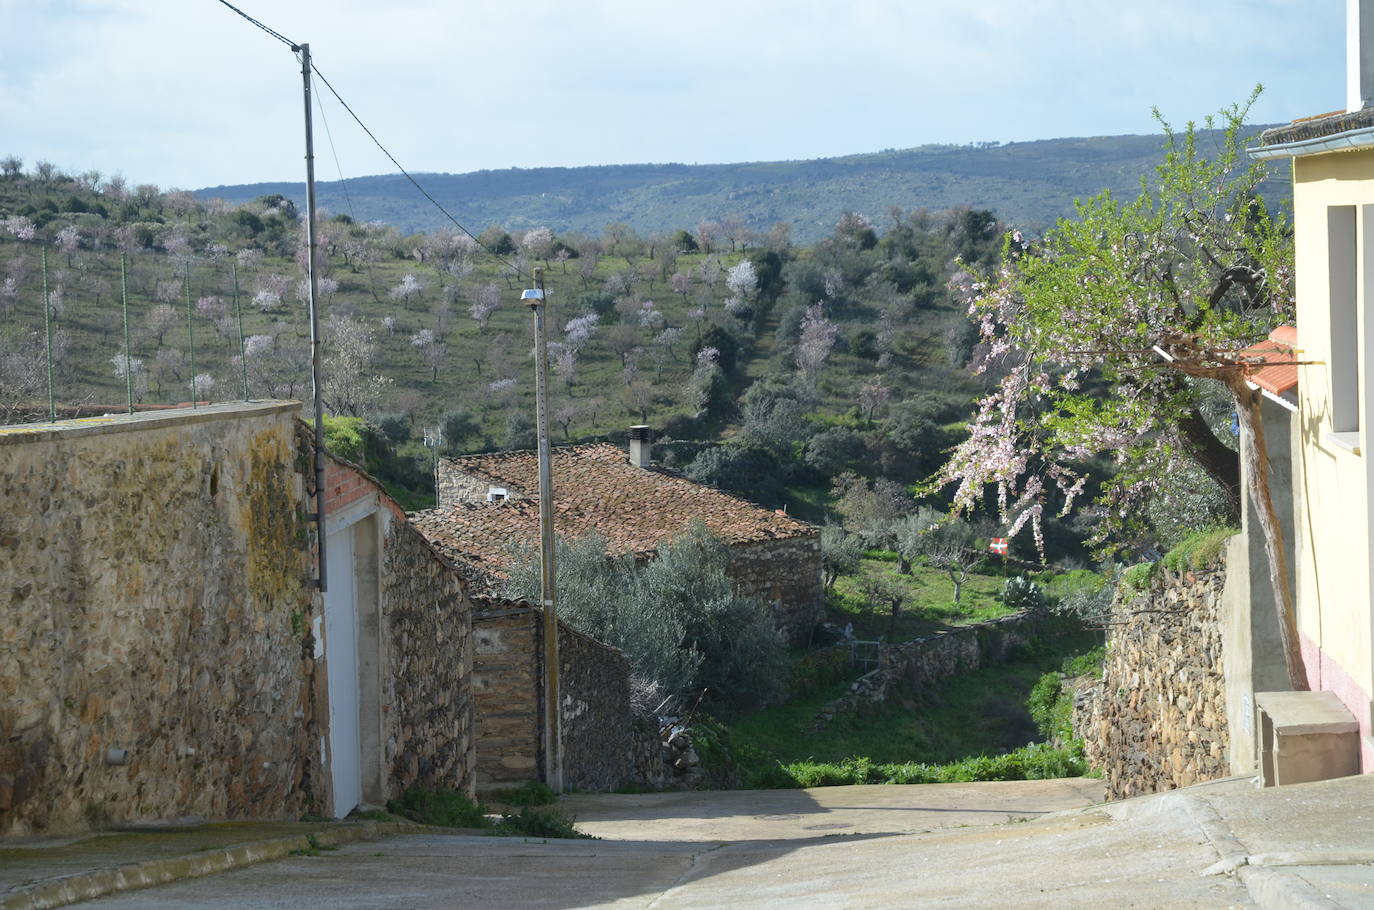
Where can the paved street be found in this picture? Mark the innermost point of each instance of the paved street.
(950, 845)
(1024, 844)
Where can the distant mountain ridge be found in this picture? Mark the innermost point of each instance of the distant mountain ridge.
(1028, 184)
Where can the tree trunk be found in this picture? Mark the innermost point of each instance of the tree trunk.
(1219, 461)
(1248, 408)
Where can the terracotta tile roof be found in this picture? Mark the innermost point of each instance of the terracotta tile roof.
(595, 489)
(1318, 127)
(1275, 367)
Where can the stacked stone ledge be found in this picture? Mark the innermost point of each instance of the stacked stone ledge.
(1157, 718)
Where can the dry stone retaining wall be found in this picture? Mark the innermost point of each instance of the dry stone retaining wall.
(926, 660)
(1157, 719)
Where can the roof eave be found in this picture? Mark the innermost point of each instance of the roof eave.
(1339, 142)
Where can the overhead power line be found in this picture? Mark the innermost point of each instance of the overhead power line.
(295, 48)
(275, 34)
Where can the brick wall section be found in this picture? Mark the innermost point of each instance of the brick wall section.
(1157, 720)
(157, 599)
(344, 485)
(429, 713)
(786, 574)
(507, 679)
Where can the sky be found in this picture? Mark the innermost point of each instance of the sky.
(184, 93)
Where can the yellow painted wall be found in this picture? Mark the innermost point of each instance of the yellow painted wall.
(1333, 557)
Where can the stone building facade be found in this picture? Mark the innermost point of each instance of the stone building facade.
(594, 682)
(489, 510)
(162, 640)
(1157, 719)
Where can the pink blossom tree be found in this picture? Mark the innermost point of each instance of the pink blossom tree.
(1102, 336)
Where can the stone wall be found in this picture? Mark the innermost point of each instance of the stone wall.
(786, 574)
(506, 697)
(428, 702)
(1157, 719)
(923, 661)
(507, 679)
(460, 486)
(155, 606)
(595, 681)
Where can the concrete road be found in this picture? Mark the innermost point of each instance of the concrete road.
(832, 847)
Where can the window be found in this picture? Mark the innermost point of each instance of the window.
(1345, 354)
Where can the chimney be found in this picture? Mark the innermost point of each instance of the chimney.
(641, 446)
(1359, 54)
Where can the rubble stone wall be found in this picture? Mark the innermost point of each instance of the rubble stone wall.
(429, 717)
(595, 682)
(460, 486)
(1157, 719)
(155, 615)
(785, 574)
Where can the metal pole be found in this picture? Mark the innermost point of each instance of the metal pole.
(47, 331)
(312, 281)
(548, 570)
(124, 298)
(238, 312)
(191, 336)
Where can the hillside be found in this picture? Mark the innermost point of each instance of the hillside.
(1027, 184)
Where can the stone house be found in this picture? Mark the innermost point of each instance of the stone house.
(165, 651)
(489, 510)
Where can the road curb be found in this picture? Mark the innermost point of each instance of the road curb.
(84, 886)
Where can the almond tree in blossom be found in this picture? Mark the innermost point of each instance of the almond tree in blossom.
(817, 339)
(484, 302)
(1102, 335)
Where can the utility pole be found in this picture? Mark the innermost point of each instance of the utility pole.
(313, 282)
(553, 732)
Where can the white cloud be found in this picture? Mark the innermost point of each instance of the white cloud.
(185, 93)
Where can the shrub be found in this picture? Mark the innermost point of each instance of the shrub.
(1020, 593)
(1136, 579)
(531, 822)
(396, 427)
(344, 437)
(678, 619)
(444, 808)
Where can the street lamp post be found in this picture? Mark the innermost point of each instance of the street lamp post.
(553, 733)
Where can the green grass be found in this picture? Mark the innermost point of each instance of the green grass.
(982, 712)
(1036, 761)
(930, 601)
(1199, 549)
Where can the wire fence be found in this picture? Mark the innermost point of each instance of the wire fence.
(100, 329)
